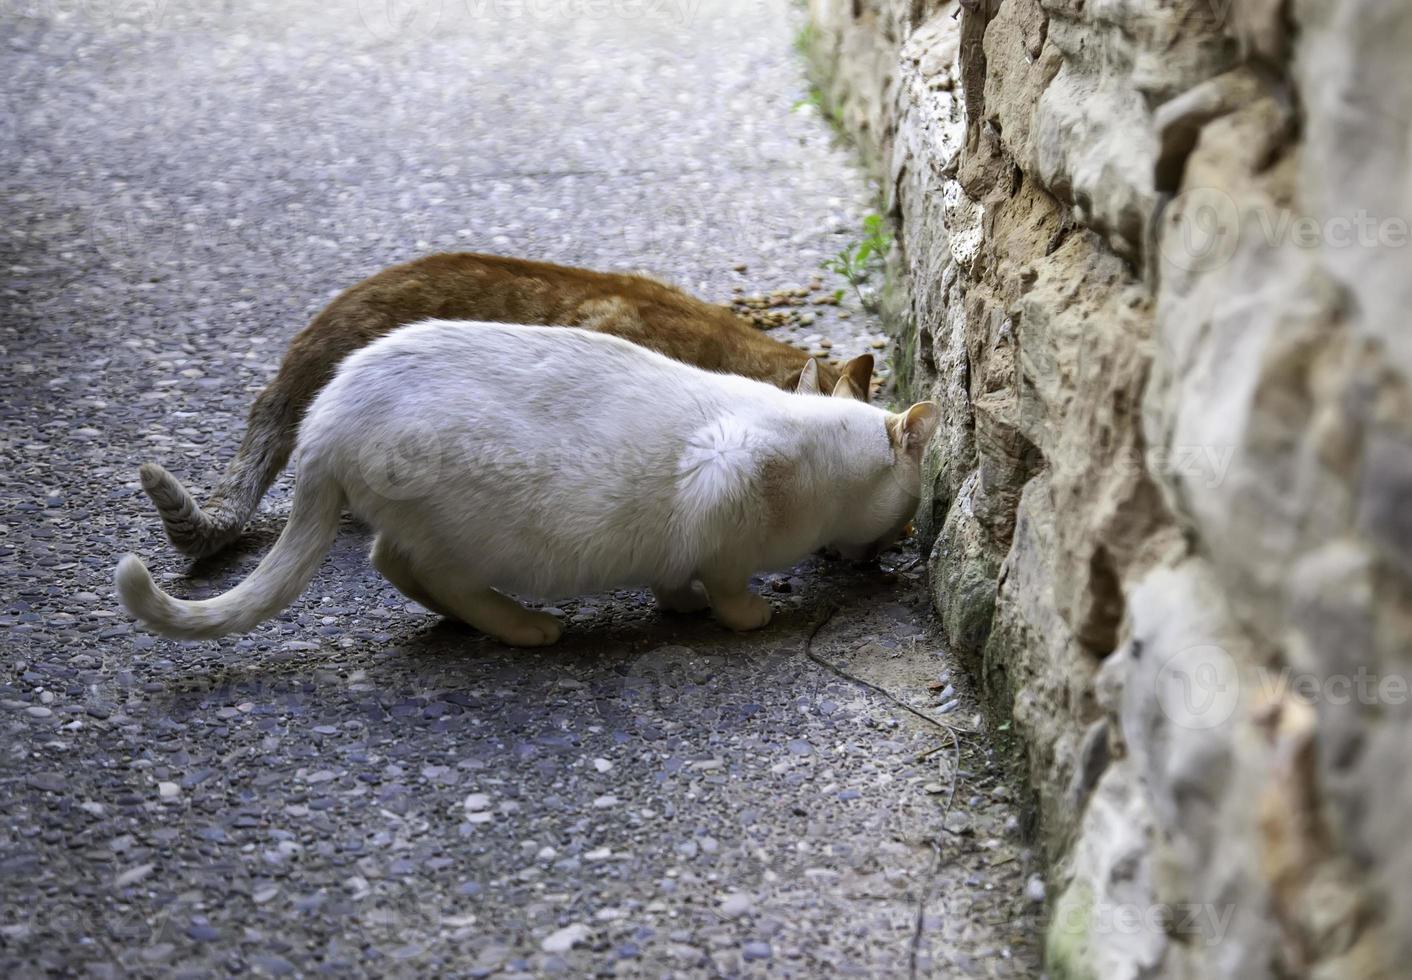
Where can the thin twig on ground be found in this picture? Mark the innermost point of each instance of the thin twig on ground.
(952, 730)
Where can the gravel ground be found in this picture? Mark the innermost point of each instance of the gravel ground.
(356, 788)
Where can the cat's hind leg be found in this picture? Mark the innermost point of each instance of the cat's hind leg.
(505, 619)
(447, 594)
(454, 594)
(688, 598)
(398, 570)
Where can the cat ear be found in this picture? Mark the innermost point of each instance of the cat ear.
(808, 379)
(911, 430)
(857, 376)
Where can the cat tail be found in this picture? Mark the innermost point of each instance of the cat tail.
(275, 583)
(269, 439)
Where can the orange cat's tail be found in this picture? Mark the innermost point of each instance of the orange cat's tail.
(197, 531)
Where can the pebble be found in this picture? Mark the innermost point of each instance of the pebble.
(52, 782)
(276, 966)
(133, 875)
(168, 791)
(1034, 889)
(565, 939)
(757, 950)
(158, 953)
(736, 904)
(476, 802)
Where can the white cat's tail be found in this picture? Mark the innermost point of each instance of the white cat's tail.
(275, 583)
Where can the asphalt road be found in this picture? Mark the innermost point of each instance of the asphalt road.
(356, 788)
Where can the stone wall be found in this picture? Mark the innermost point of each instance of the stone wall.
(1153, 263)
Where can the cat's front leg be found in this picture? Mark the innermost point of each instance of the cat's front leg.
(732, 602)
(688, 598)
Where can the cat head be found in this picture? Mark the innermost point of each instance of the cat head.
(881, 482)
(852, 380)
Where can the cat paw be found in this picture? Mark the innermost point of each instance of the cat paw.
(685, 599)
(533, 629)
(743, 613)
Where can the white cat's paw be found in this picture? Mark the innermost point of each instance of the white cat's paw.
(744, 612)
(685, 599)
(533, 629)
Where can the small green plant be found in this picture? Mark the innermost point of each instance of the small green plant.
(856, 261)
(804, 40)
(815, 98)
(904, 365)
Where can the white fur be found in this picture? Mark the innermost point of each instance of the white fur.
(550, 461)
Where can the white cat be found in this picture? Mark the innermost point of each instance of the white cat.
(555, 461)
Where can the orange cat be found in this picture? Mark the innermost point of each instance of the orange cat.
(470, 286)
